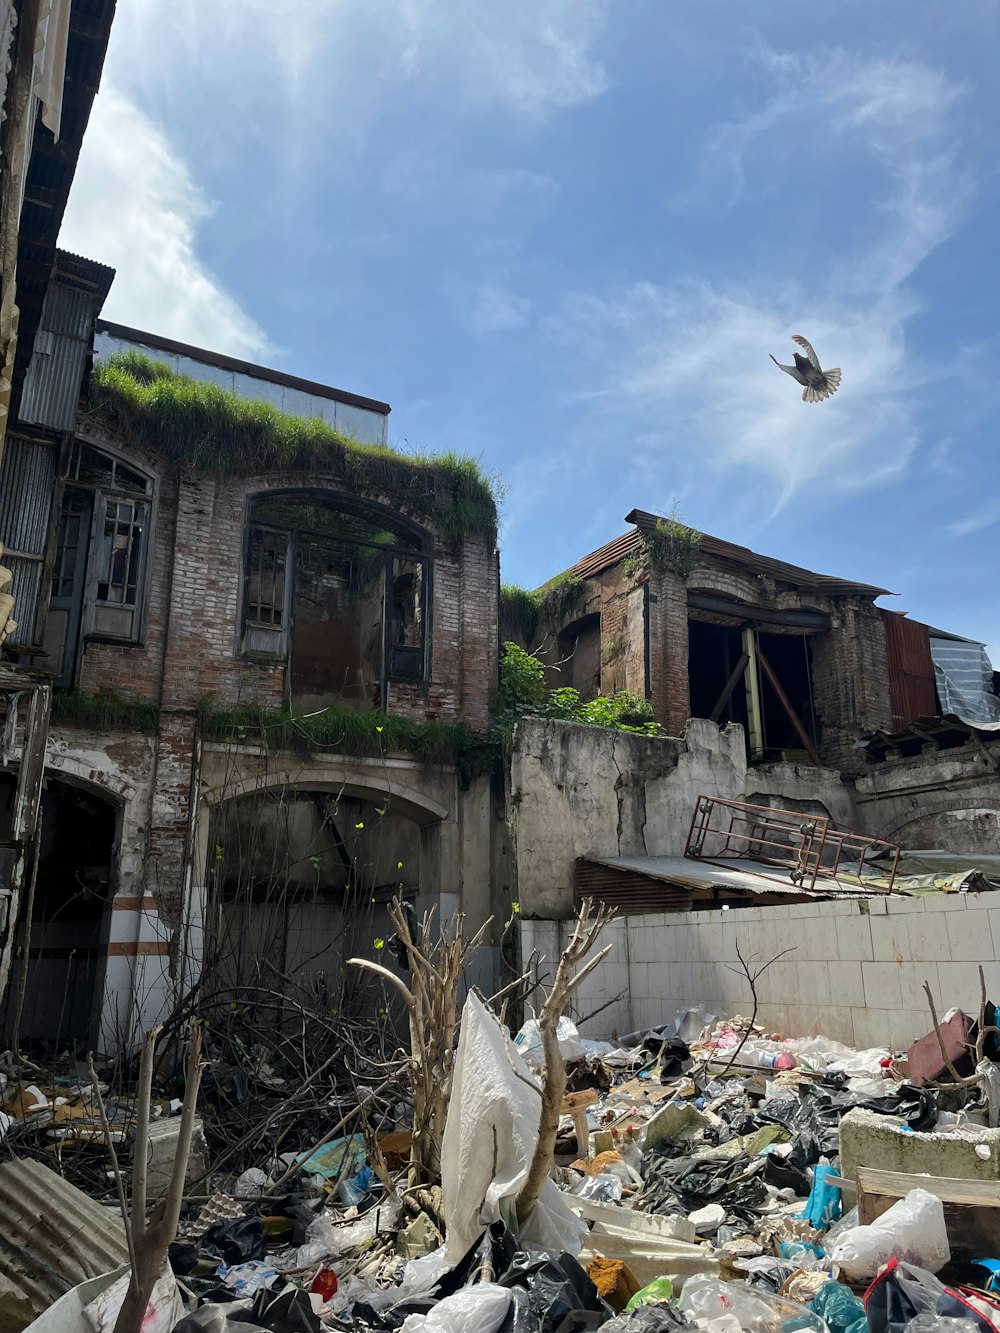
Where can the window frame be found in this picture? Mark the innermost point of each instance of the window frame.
(420, 552)
(102, 495)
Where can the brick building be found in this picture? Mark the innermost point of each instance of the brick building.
(273, 642)
(704, 628)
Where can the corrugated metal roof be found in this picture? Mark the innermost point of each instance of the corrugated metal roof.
(629, 543)
(668, 883)
(52, 1236)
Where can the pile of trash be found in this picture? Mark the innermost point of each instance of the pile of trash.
(697, 1184)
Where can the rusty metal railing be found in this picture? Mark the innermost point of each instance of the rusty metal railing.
(808, 848)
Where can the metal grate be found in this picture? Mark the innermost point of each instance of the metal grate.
(806, 847)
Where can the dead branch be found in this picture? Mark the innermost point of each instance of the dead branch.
(570, 974)
(752, 978)
(436, 967)
(151, 1242)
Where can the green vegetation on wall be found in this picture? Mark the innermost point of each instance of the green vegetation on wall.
(339, 730)
(145, 403)
(522, 610)
(523, 692)
(104, 711)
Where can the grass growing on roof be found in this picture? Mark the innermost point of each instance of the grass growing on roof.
(104, 711)
(145, 403)
(341, 730)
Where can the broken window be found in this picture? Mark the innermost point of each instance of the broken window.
(118, 544)
(101, 558)
(338, 591)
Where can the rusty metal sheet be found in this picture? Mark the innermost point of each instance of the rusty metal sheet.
(52, 1236)
(912, 691)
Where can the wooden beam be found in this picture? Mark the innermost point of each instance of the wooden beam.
(754, 717)
(793, 717)
(730, 685)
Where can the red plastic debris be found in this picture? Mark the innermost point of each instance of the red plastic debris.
(325, 1283)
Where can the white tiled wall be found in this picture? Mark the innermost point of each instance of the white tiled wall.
(850, 970)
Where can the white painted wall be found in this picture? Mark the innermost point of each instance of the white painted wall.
(854, 970)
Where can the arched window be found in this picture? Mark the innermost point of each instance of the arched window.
(338, 588)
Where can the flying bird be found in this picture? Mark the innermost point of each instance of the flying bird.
(819, 383)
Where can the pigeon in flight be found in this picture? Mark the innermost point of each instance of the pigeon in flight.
(819, 383)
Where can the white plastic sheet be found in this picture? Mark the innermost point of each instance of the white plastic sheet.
(493, 1110)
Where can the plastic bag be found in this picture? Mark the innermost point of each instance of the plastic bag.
(659, 1318)
(912, 1229)
(825, 1201)
(709, 1298)
(529, 1042)
(928, 1322)
(238, 1241)
(841, 1309)
(557, 1287)
(602, 1188)
(662, 1289)
(480, 1309)
(252, 1181)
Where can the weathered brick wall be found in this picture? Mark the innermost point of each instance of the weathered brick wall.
(851, 682)
(191, 647)
(672, 689)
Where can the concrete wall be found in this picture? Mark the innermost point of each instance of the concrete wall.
(948, 799)
(577, 790)
(853, 970)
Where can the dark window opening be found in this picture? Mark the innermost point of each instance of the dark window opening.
(340, 593)
(579, 649)
(725, 687)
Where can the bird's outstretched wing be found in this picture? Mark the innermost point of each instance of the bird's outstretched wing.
(789, 370)
(807, 348)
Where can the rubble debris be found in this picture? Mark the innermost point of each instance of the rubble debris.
(696, 1189)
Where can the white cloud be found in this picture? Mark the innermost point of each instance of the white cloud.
(692, 355)
(135, 206)
(495, 310)
(979, 519)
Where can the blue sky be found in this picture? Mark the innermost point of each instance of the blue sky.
(564, 235)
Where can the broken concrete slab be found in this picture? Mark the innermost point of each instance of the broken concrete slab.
(886, 1143)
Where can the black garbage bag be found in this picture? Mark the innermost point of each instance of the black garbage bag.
(658, 1317)
(813, 1118)
(285, 1311)
(683, 1184)
(674, 1053)
(491, 1255)
(561, 1296)
(237, 1241)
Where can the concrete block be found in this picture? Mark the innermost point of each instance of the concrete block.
(813, 983)
(945, 902)
(890, 939)
(163, 1135)
(959, 987)
(869, 1139)
(928, 939)
(881, 981)
(872, 1027)
(854, 938)
(901, 905)
(968, 935)
(837, 1023)
(912, 999)
(846, 986)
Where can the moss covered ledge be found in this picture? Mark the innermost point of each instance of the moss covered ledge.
(144, 403)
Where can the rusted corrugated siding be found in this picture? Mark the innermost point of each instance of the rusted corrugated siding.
(52, 1236)
(628, 890)
(911, 670)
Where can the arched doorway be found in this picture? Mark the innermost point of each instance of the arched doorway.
(298, 880)
(62, 969)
